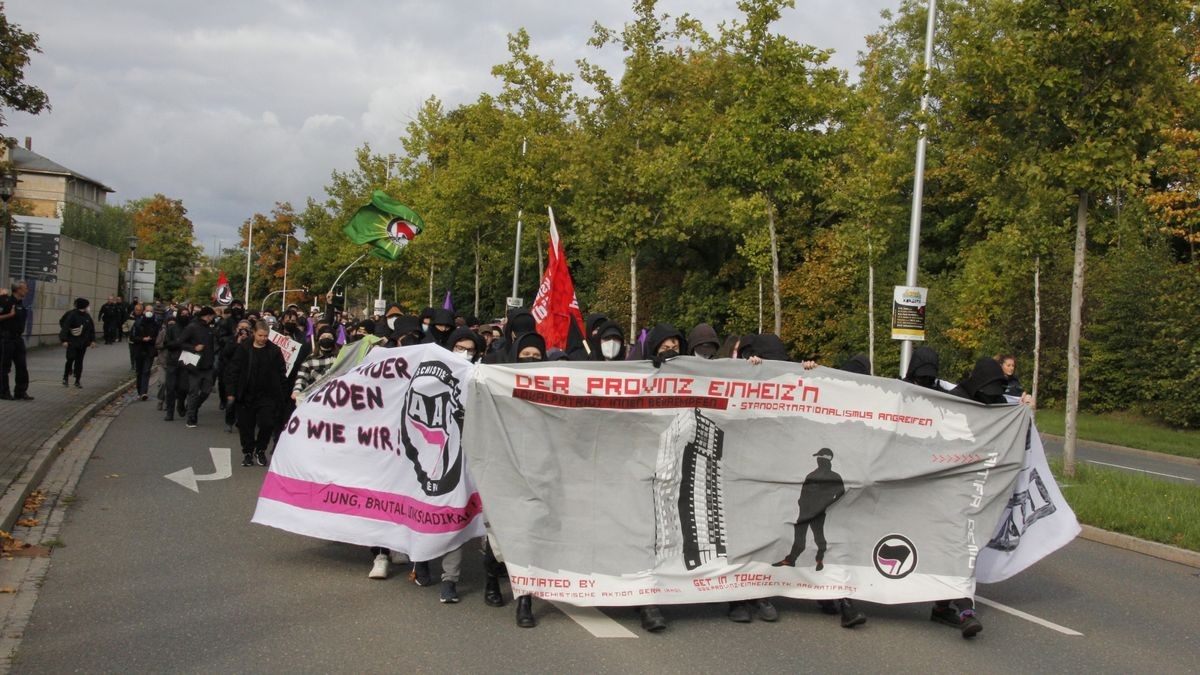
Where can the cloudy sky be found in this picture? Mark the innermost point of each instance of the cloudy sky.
(233, 105)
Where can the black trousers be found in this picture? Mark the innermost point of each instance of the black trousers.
(74, 362)
(200, 384)
(817, 524)
(110, 332)
(143, 360)
(256, 423)
(12, 357)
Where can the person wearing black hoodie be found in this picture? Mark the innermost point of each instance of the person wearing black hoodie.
(257, 386)
(985, 384)
(175, 386)
(520, 320)
(406, 331)
(923, 368)
(609, 342)
(142, 336)
(198, 339)
(703, 341)
(440, 327)
(77, 332)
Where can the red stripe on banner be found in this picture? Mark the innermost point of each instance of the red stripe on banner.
(363, 503)
(620, 402)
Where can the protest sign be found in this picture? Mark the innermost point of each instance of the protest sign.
(703, 481)
(289, 347)
(373, 457)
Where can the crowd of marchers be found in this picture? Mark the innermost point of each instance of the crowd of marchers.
(200, 349)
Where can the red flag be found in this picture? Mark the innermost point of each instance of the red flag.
(221, 294)
(556, 306)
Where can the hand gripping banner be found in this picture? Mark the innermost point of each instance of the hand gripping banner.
(373, 456)
(705, 481)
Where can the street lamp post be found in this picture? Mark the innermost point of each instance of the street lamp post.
(132, 242)
(287, 239)
(8, 183)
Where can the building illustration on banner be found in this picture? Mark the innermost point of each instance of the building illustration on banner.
(689, 504)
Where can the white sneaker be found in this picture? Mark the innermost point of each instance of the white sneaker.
(380, 569)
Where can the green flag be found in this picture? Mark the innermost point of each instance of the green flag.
(386, 224)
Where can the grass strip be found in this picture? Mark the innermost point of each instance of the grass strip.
(1133, 504)
(1126, 429)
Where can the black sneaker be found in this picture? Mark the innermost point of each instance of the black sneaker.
(765, 611)
(420, 574)
(260, 458)
(247, 459)
(851, 617)
(449, 592)
(739, 612)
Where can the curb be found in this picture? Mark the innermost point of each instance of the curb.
(1148, 454)
(13, 501)
(1150, 548)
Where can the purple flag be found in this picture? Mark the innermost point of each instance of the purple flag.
(448, 303)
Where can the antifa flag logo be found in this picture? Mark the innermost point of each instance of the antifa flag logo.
(431, 428)
(895, 556)
(224, 295)
(400, 231)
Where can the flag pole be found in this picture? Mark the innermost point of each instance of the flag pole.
(520, 213)
(249, 248)
(914, 228)
(339, 277)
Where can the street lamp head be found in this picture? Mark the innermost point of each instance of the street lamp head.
(8, 183)
(132, 242)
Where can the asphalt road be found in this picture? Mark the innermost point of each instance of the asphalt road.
(1175, 472)
(156, 578)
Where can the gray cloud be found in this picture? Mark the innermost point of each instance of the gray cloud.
(235, 105)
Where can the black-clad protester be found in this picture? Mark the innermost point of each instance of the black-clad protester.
(198, 344)
(319, 361)
(609, 342)
(923, 368)
(985, 384)
(110, 316)
(12, 343)
(440, 326)
(406, 331)
(76, 332)
(175, 385)
(520, 321)
(703, 341)
(241, 333)
(256, 385)
(142, 336)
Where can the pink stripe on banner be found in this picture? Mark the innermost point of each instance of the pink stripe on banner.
(363, 503)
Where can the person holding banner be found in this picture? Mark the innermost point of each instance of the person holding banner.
(256, 385)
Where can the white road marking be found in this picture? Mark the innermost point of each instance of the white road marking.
(594, 621)
(221, 462)
(1028, 617)
(1131, 468)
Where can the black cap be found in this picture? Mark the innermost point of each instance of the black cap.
(824, 452)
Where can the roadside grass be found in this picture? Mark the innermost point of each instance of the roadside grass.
(1126, 429)
(1133, 504)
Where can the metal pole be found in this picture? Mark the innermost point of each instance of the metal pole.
(4, 280)
(520, 213)
(914, 234)
(287, 239)
(249, 248)
(25, 252)
(339, 277)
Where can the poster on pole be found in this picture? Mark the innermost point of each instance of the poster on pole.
(908, 313)
(290, 348)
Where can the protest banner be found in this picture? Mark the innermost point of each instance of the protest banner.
(703, 481)
(289, 347)
(374, 457)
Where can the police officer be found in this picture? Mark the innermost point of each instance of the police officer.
(12, 344)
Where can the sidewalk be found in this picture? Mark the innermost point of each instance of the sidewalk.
(28, 425)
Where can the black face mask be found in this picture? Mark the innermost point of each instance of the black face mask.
(669, 354)
(529, 359)
(326, 345)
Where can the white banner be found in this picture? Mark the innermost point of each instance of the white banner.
(374, 457)
(289, 347)
(704, 481)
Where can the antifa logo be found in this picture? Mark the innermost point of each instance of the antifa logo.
(400, 231)
(224, 295)
(431, 428)
(895, 556)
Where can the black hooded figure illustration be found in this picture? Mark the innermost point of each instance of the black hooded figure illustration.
(431, 428)
(821, 489)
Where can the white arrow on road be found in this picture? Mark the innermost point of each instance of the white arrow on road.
(221, 462)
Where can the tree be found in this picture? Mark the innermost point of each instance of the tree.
(16, 46)
(109, 228)
(274, 237)
(165, 234)
(1077, 94)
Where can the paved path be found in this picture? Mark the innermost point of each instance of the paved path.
(1110, 457)
(28, 424)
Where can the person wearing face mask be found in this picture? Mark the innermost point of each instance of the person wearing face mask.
(198, 339)
(142, 336)
(256, 385)
(77, 332)
(242, 332)
(440, 327)
(985, 384)
(175, 387)
(520, 320)
(466, 343)
(703, 341)
(426, 318)
(315, 365)
(406, 332)
(609, 340)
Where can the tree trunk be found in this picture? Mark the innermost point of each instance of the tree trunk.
(1037, 324)
(430, 284)
(870, 307)
(541, 269)
(633, 319)
(774, 269)
(476, 273)
(760, 304)
(1074, 335)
